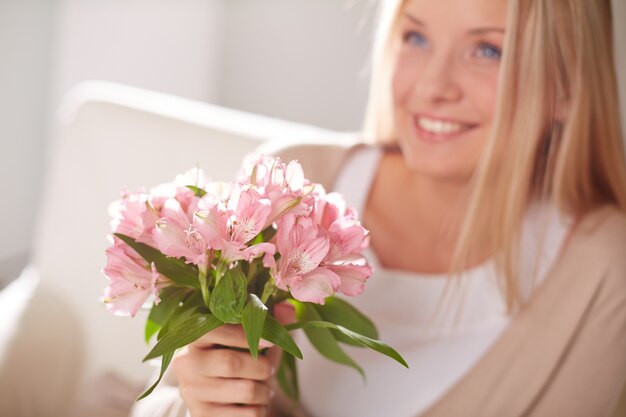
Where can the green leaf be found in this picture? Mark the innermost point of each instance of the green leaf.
(253, 319)
(287, 376)
(340, 312)
(361, 340)
(274, 332)
(173, 268)
(150, 330)
(322, 338)
(181, 314)
(171, 297)
(165, 362)
(229, 296)
(182, 333)
(199, 192)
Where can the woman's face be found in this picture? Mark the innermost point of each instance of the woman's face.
(445, 82)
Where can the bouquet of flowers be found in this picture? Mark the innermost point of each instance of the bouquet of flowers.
(200, 254)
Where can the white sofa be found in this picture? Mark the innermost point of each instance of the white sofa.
(59, 344)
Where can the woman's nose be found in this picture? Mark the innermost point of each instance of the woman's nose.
(437, 81)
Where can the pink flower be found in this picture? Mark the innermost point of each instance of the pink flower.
(230, 226)
(136, 215)
(132, 280)
(282, 184)
(347, 240)
(272, 174)
(330, 207)
(131, 218)
(352, 277)
(250, 212)
(302, 247)
(211, 220)
(175, 234)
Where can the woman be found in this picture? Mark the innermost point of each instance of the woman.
(503, 173)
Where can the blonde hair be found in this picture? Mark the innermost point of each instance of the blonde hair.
(556, 134)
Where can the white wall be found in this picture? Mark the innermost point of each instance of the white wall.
(163, 45)
(299, 60)
(26, 31)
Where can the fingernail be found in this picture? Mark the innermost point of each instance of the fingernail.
(272, 393)
(273, 370)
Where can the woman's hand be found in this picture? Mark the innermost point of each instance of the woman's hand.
(216, 380)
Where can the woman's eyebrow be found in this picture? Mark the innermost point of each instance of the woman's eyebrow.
(482, 31)
(476, 31)
(414, 19)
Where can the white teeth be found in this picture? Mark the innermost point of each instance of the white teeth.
(439, 126)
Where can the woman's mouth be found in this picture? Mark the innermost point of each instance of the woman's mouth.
(439, 129)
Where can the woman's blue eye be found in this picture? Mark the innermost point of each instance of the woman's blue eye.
(415, 38)
(489, 51)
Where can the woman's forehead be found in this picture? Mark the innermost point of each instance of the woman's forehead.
(469, 13)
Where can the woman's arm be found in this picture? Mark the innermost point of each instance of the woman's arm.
(591, 378)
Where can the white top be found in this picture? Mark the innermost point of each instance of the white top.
(403, 305)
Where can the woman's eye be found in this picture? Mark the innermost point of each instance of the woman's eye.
(489, 51)
(414, 38)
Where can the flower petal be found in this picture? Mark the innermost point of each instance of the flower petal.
(352, 277)
(315, 286)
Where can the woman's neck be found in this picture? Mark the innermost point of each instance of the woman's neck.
(417, 217)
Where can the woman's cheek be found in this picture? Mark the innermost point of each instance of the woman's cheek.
(403, 79)
(485, 90)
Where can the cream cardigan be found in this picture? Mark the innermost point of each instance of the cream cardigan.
(563, 355)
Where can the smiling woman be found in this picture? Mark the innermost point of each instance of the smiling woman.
(496, 168)
(445, 84)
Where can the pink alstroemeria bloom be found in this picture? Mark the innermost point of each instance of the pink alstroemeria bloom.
(352, 276)
(330, 207)
(175, 234)
(348, 238)
(229, 226)
(132, 280)
(131, 218)
(302, 248)
(272, 174)
(136, 214)
(282, 184)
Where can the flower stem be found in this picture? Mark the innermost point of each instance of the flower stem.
(252, 271)
(220, 269)
(268, 290)
(204, 285)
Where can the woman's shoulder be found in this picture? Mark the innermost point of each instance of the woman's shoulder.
(598, 240)
(321, 159)
(604, 231)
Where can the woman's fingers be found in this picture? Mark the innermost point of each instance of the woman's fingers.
(218, 377)
(223, 363)
(227, 391)
(226, 335)
(221, 410)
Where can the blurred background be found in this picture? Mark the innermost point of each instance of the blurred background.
(280, 58)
